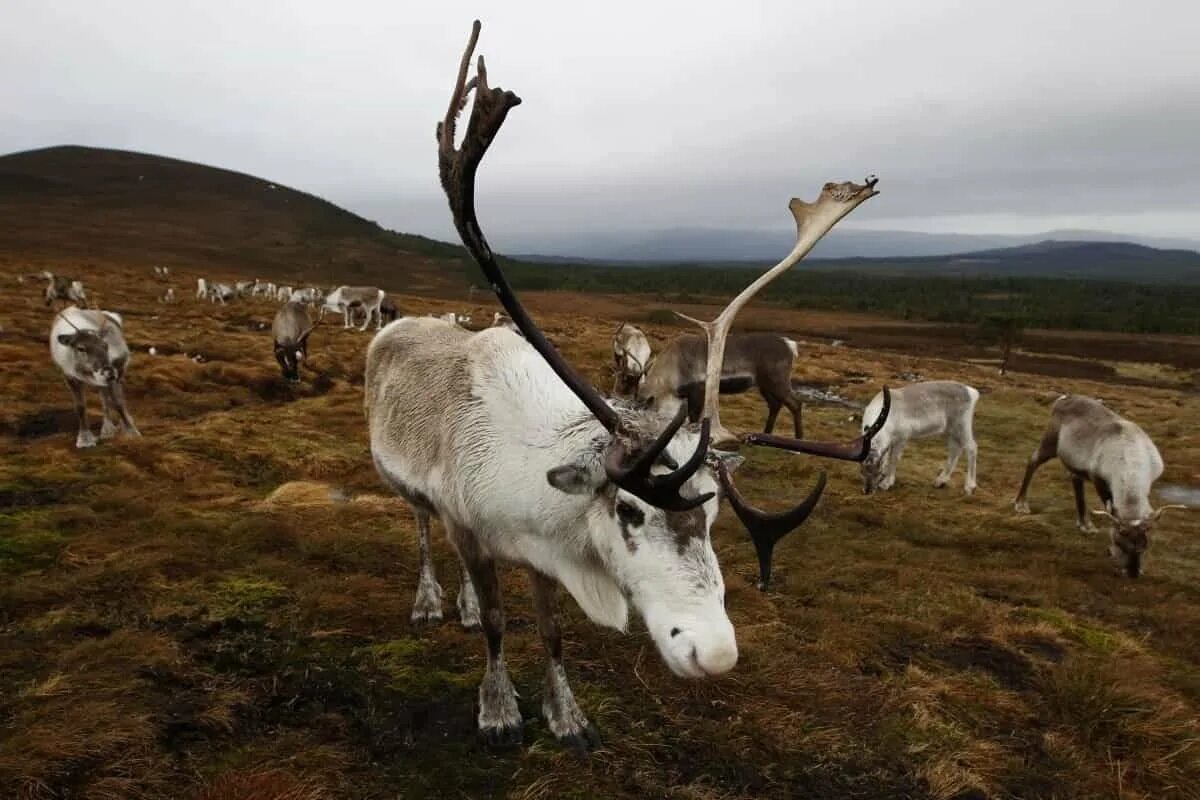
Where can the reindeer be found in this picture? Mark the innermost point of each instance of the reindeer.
(162, 273)
(765, 360)
(283, 294)
(290, 330)
(1098, 445)
(61, 288)
(631, 357)
(369, 298)
(388, 311)
(221, 292)
(502, 320)
(539, 471)
(167, 296)
(921, 410)
(89, 347)
(462, 320)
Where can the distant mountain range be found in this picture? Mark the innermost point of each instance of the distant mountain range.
(728, 245)
(80, 204)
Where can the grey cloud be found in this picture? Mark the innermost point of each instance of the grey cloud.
(642, 115)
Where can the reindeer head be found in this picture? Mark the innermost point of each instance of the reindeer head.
(653, 487)
(89, 348)
(1130, 539)
(289, 356)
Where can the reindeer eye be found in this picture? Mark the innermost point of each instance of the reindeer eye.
(629, 513)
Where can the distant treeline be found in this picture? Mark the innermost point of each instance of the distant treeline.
(1071, 304)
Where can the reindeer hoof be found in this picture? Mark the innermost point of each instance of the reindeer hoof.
(502, 737)
(86, 439)
(1021, 507)
(584, 741)
(426, 617)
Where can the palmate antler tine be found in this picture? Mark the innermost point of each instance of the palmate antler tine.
(855, 450)
(457, 168)
(766, 529)
(813, 221)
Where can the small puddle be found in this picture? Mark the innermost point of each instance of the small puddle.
(1180, 493)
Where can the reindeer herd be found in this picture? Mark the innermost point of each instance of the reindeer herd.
(613, 497)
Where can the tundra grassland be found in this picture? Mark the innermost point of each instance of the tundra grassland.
(219, 610)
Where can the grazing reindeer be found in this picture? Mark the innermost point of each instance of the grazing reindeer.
(221, 292)
(89, 347)
(764, 360)
(388, 311)
(168, 296)
(631, 357)
(201, 289)
(60, 288)
(540, 471)
(1097, 445)
(346, 298)
(290, 330)
(502, 320)
(921, 410)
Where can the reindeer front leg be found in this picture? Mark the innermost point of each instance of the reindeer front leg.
(499, 718)
(118, 397)
(559, 709)
(107, 405)
(85, 438)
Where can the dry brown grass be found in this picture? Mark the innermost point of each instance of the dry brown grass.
(220, 610)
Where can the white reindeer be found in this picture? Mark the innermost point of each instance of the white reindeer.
(921, 410)
(631, 358)
(90, 349)
(283, 294)
(1096, 444)
(525, 463)
(348, 299)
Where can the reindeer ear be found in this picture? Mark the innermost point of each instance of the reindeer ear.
(576, 478)
(731, 460)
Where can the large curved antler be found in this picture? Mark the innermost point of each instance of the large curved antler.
(856, 450)
(456, 168)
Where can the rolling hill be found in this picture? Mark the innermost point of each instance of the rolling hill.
(83, 204)
(87, 205)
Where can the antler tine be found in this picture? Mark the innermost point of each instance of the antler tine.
(456, 168)
(855, 450)
(813, 221)
(766, 529)
(659, 490)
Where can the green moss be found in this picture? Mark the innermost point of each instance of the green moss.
(28, 542)
(409, 669)
(249, 595)
(1091, 637)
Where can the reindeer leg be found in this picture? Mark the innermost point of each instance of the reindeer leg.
(773, 407)
(118, 396)
(972, 455)
(428, 604)
(468, 602)
(85, 438)
(107, 405)
(1082, 518)
(953, 451)
(797, 410)
(559, 709)
(499, 718)
(1047, 449)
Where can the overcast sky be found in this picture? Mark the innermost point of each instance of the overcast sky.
(980, 116)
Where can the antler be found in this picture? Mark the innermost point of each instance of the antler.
(765, 528)
(856, 450)
(813, 220)
(456, 168)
